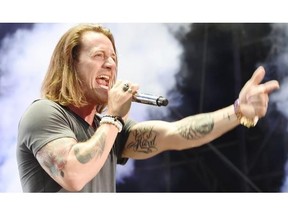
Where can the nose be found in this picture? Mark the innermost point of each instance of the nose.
(109, 63)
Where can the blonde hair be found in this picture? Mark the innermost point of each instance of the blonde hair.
(61, 83)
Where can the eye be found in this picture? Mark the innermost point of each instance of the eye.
(99, 55)
(114, 58)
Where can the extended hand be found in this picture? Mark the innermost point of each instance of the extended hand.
(254, 97)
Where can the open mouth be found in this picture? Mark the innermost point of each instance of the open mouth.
(103, 81)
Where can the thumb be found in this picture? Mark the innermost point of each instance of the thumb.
(257, 76)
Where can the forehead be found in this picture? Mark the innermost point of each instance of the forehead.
(91, 40)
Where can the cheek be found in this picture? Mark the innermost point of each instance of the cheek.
(88, 81)
(86, 75)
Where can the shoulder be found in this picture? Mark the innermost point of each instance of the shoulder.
(43, 103)
(44, 107)
(40, 110)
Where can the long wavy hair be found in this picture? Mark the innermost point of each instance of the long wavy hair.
(61, 83)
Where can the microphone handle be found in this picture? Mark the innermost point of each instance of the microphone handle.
(150, 99)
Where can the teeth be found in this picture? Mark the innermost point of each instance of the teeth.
(104, 87)
(104, 77)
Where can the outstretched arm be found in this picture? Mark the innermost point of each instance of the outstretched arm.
(149, 138)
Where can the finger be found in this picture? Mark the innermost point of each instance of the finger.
(265, 88)
(135, 88)
(258, 76)
(121, 83)
(271, 86)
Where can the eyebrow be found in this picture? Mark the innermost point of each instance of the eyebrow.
(99, 49)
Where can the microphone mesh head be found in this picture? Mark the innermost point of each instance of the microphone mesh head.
(161, 101)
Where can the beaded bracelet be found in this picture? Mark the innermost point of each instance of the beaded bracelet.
(243, 120)
(114, 120)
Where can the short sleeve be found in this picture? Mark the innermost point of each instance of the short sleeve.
(43, 122)
(121, 141)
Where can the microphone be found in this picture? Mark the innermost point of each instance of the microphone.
(149, 99)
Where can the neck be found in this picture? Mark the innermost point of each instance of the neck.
(87, 113)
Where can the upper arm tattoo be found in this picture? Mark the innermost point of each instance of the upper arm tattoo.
(144, 140)
(53, 158)
(54, 155)
(196, 127)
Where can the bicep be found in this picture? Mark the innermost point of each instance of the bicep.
(148, 138)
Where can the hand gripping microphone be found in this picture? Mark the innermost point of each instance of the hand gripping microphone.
(149, 99)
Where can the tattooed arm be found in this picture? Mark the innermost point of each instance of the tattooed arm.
(72, 164)
(149, 138)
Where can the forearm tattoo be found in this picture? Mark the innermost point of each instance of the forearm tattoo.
(144, 141)
(196, 127)
(226, 116)
(86, 154)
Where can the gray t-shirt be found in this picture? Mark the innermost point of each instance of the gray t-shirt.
(45, 121)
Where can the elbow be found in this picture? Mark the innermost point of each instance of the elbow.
(74, 183)
(73, 186)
